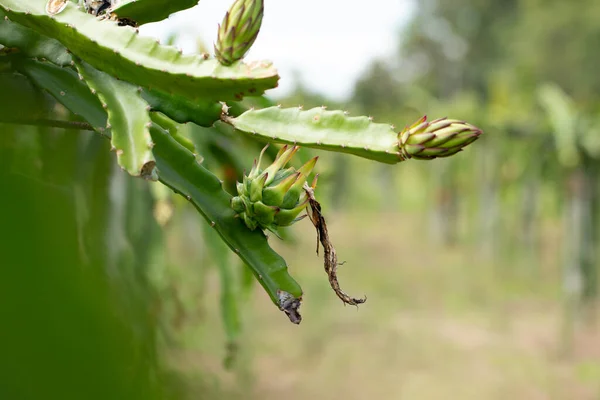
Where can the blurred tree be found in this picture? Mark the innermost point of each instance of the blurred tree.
(501, 51)
(454, 45)
(555, 41)
(378, 94)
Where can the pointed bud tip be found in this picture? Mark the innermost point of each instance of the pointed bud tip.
(313, 185)
(307, 168)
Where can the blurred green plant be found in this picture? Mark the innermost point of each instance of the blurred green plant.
(576, 139)
(72, 291)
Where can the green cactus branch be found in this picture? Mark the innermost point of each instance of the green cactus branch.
(128, 118)
(121, 52)
(29, 105)
(335, 131)
(179, 108)
(182, 109)
(32, 43)
(322, 129)
(179, 170)
(64, 85)
(48, 123)
(145, 11)
(173, 128)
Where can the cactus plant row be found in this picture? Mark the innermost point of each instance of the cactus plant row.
(134, 91)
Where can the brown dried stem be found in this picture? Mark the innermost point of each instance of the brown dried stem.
(329, 254)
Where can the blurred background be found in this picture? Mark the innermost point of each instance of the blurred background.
(481, 270)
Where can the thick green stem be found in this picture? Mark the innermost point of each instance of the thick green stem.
(128, 118)
(179, 170)
(335, 131)
(145, 11)
(322, 129)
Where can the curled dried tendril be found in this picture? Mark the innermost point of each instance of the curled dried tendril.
(329, 254)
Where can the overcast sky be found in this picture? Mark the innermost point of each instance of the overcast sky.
(329, 42)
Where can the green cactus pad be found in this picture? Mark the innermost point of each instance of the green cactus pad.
(322, 129)
(31, 42)
(129, 120)
(181, 109)
(145, 11)
(64, 85)
(173, 128)
(121, 52)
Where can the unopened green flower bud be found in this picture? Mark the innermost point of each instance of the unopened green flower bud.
(439, 138)
(239, 30)
(273, 197)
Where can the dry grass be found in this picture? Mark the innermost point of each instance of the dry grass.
(438, 324)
